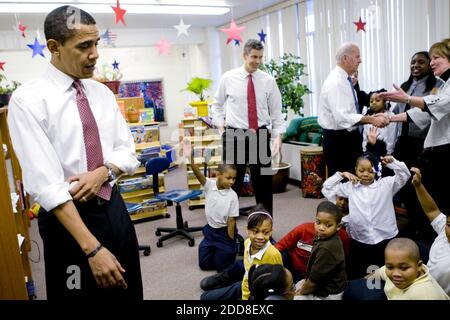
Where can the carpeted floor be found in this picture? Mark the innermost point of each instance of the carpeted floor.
(172, 272)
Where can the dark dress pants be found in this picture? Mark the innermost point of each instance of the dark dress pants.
(242, 148)
(67, 271)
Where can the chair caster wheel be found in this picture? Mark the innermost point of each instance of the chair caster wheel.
(191, 243)
(147, 252)
(191, 208)
(167, 215)
(185, 224)
(159, 244)
(157, 233)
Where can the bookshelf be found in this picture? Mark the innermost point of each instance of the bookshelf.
(137, 190)
(206, 146)
(15, 268)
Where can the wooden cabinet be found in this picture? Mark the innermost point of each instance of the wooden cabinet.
(15, 271)
(206, 153)
(137, 190)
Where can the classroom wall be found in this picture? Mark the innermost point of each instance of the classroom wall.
(139, 60)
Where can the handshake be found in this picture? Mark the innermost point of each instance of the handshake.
(379, 120)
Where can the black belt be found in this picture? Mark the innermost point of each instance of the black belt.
(442, 147)
(228, 127)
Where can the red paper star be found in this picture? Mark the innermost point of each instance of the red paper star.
(163, 46)
(21, 28)
(233, 32)
(360, 25)
(1, 65)
(119, 13)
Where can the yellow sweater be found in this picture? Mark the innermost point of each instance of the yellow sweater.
(423, 288)
(267, 255)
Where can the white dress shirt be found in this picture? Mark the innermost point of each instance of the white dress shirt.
(230, 107)
(337, 110)
(439, 106)
(219, 204)
(439, 262)
(387, 134)
(47, 134)
(371, 217)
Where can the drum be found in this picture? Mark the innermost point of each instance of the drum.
(313, 171)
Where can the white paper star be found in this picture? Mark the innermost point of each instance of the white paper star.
(182, 28)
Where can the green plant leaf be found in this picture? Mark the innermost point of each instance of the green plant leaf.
(198, 86)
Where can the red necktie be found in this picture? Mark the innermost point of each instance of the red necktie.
(94, 154)
(251, 101)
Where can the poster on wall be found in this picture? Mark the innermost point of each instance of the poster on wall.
(150, 90)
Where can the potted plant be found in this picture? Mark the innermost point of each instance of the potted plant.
(287, 71)
(199, 86)
(109, 77)
(6, 90)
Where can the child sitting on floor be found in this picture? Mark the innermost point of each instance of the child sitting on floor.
(325, 274)
(371, 219)
(407, 278)
(258, 250)
(218, 249)
(270, 282)
(296, 247)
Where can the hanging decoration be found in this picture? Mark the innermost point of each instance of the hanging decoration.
(360, 25)
(182, 28)
(37, 48)
(236, 42)
(262, 36)
(21, 28)
(163, 46)
(109, 38)
(115, 65)
(119, 13)
(233, 32)
(1, 65)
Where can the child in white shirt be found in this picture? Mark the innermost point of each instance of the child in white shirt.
(439, 260)
(371, 219)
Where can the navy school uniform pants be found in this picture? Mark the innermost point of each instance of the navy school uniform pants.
(65, 261)
(217, 251)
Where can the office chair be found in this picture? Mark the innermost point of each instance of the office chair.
(153, 167)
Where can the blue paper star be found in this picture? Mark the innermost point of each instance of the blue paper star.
(236, 42)
(262, 36)
(37, 48)
(115, 65)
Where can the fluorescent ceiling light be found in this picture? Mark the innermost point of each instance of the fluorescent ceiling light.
(105, 8)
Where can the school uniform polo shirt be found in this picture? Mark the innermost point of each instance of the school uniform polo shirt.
(219, 204)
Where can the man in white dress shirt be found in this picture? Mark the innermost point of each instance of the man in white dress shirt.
(339, 115)
(247, 109)
(72, 142)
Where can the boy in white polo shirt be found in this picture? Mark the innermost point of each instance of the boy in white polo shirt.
(217, 250)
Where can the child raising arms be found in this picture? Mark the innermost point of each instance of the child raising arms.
(217, 250)
(371, 219)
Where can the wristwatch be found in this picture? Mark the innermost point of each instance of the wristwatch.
(111, 175)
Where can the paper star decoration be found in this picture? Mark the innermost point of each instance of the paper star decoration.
(182, 28)
(236, 42)
(119, 13)
(233, 32)
(115, 65)
(262, 36)
(37, 48)
(22, 29)
(109, 37)
(1, 65)
(163, 46)
(360, 25)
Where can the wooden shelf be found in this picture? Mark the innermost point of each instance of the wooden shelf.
(14, 263)
(140, 193)
(142, 146)
(149, 214)
(136, 124)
